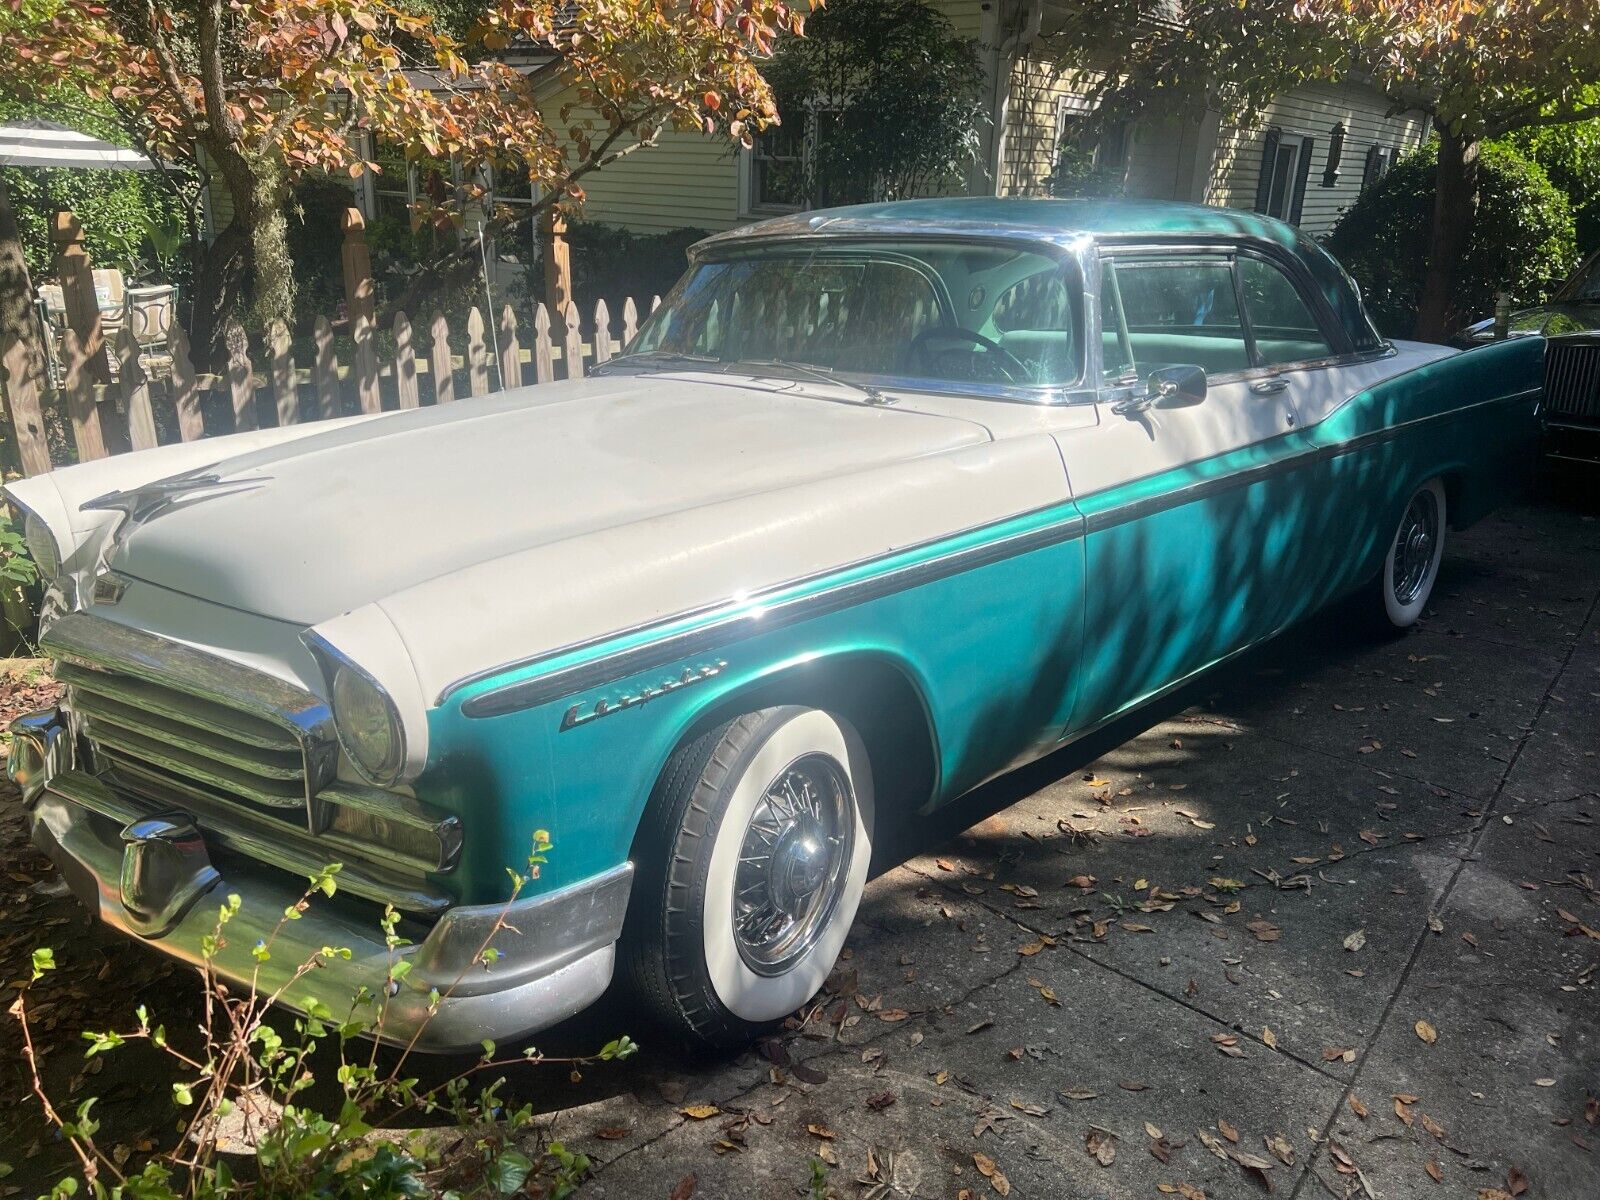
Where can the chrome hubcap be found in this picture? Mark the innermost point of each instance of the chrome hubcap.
(1414, 547)
(792, 864)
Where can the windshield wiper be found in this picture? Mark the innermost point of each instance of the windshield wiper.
(822, 374)
(655, 356)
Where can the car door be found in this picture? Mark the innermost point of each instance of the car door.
(1192, 524)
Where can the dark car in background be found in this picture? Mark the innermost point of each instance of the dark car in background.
(1571, 320)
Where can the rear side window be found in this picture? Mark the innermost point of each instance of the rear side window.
(1285, 329)
(1158, 314)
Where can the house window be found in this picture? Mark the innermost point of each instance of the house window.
(1091, 157)
(1379, 160)
(1285, 171)
(777, 168)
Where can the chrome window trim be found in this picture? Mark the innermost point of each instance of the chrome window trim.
(755, 615)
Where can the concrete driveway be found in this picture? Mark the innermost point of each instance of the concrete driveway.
(1328, 923)
(1332, 927)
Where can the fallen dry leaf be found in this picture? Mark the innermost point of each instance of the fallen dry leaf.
(700, 1112)
(1356, 940)
(1357, 1107)
(1270, 1038)
(1265, 931)
(612, 1133)
(1427, 1032)
(821, 1131)
(1227, 1130)
(1435, 1172)
(1102, 1146)
(685, 1187)
(1280, 1147)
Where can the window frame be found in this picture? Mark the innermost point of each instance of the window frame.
(1231, 252)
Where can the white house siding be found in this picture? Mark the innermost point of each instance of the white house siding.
(1028, 153)
(685, 180)
(1312, 112)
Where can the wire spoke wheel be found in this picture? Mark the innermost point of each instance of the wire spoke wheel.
(796, 851)
(1415, 546)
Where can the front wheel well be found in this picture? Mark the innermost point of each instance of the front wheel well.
(879, 700)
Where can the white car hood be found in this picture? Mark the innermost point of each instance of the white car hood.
(339, 519)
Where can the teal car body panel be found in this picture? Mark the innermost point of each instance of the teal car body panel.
(1136, 589)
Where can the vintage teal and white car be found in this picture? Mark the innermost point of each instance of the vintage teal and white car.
(881, 502)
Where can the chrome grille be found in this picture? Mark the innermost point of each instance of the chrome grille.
(158, 728)
(1572, 381)
(250, 756)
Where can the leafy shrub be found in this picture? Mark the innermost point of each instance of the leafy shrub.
(1522, 241)
(245, 1069)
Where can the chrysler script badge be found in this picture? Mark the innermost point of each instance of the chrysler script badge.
(585, 710)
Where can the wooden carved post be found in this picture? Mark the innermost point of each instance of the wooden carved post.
(440, 365)
(557, 257)
(405, 364)
(241, 380)
(135, 393)
(544, 369)
(22, 351)
(510, 350)
(358, 299)
(76, 273)
(185, 387)
(477, 356)
(327, 369)
(81, 407)
(572, 349)
(284, 392)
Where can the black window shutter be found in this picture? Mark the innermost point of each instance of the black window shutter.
(1297, 209)
(1369, 173)
(1269, 153)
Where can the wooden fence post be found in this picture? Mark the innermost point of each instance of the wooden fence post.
(327, 369)
(76, 273)
(284, 392)
(241, 380)
(185, 388)
(477, 356)
(510, 350)
(405, 364)
(22, 349)
(602, 333)
(135, 392)
(630, 322)
(557, 257)
(440, 365)
(544, 368)
(81, 407)
(359, 307)
(572, 349)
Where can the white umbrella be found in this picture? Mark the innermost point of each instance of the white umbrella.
(36, 143)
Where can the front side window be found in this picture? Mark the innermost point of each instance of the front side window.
(1282, 323)
(1158, 314)
(947, 313)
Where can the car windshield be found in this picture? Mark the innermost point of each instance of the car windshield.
(948, 314)
(1584, 286)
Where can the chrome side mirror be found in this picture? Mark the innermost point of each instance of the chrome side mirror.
(1170, 387)
(1177, 387)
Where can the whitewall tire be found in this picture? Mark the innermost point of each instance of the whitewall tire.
(750, 865)
(1412, 563)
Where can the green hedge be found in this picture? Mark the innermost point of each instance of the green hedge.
(1522, 241)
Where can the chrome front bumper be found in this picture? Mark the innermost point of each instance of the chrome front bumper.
(151, 876)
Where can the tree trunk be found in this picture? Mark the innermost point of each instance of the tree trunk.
(1455, 209)
(269, 243)
(218, 281)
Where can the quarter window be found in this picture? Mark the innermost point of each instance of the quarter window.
(1282, 323)
(1164, 314)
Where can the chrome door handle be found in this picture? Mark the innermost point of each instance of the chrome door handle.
(1269, 387)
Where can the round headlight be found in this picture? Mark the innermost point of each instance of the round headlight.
(42, 547)
(368, 726)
